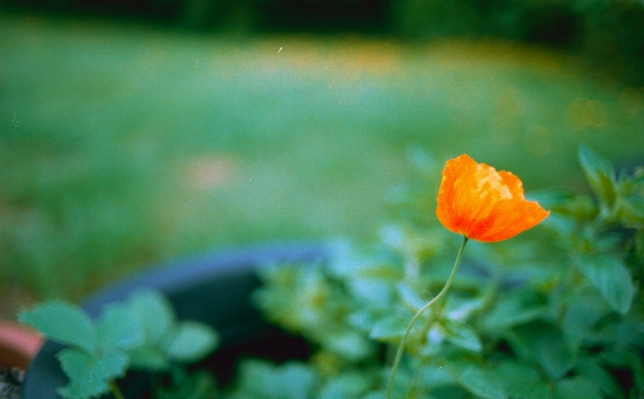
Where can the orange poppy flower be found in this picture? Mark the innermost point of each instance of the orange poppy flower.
(482, 204)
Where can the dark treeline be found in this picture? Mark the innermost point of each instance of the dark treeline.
(609, 32)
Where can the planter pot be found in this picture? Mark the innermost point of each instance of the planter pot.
(213, 289)
(18, 344)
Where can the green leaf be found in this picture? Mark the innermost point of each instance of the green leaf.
(405, 383)
(348, 344)
(89, 375)
(599, 173)
(623, 333)
(410, 297)
(197, 384)
(391, 327)
(363, 320)
(522, 381)
(631, 359)
(513, 308)
(149, 357)
(435, 376)
(610, 277)
(260, 379)
(153, 312)
(62, 322)
(567, 208)
(460, 309)
(588, 367)
(630, 210)
(192, 342)
(117, 327)
(546, 344)
(575, 388)
(463, 335)
(348, 385)
(473, 375)
(584, 311)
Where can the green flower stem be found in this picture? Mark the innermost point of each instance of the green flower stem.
(419, 313)
(116, 391)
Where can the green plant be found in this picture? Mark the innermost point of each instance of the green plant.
(141, 333)
(557, 314)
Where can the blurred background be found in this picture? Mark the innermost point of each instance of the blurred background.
(132, 132)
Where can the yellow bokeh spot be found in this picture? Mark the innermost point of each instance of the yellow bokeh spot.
(631, 101)
(583, 113)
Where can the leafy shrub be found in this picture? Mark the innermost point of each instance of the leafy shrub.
(557, 315)
(141, 333)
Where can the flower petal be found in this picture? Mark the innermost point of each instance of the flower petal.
(477, 201)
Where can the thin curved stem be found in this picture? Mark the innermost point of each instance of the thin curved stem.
(116, 391)
(419, 313)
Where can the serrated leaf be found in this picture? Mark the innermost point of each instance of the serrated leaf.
(117, 327)
(575, 388)
(546, 344)
(192, 342)
(599, 173)
(390, 328)
(62, 322)
(473, 375)
(89, 375)
(153, 312)
(462, 335)
(522, 381)
(611, 278)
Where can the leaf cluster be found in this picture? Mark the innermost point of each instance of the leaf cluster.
(559, 315)
(141, 333)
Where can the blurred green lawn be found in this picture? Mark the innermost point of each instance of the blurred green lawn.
(124, 145)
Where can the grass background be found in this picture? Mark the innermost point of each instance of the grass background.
(122, 145)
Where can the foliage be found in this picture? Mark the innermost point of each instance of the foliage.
(554, 314)
(141, 333)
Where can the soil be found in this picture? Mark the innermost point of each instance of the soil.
(11, 382)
